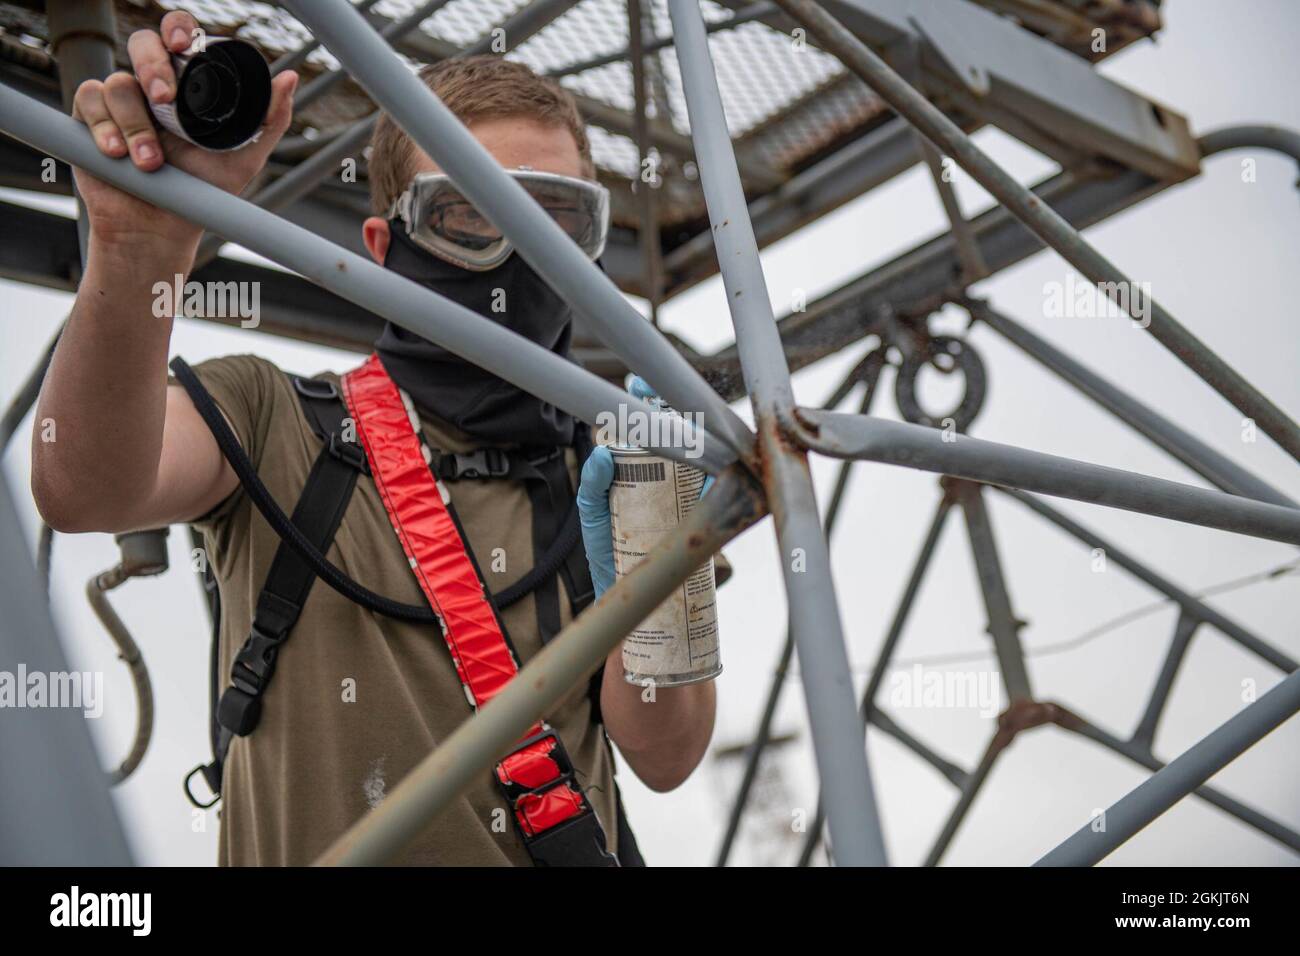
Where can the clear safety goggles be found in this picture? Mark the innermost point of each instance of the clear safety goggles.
(441, 220)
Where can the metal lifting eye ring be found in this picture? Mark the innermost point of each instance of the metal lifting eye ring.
(963, 357)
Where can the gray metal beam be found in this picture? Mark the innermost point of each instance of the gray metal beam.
(1188, 603)
(867, 373)
(1032, 78)
(838, 735)
(55, 808)
(41, 248)
(427, 314)
(1215, 468)
(1088, 846)
(916, 446)
(874, 159)
(1003, 625)
(870, 712)
(1049, 226)
(924, 278)
(83, 38)
(1143, 757)
(1145, 734)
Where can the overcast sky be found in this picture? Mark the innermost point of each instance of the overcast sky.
(1220, 253)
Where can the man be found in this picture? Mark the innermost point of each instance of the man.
(358, 698)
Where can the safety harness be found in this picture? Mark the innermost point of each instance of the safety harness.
(556, 822)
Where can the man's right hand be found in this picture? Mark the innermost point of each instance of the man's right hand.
(132, 452)
(117, 112)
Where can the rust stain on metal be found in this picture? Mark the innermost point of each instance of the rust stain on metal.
(1023, 715)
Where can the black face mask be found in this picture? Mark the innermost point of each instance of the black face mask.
(460, 393)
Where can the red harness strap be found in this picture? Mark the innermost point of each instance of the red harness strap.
(537, 777)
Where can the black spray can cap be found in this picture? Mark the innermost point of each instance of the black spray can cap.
(223, 93)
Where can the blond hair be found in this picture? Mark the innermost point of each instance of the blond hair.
(473, 88)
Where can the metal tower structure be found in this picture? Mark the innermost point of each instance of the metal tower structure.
(738, 123)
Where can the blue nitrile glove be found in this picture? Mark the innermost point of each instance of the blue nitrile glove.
(593, 512)
(593, 504)
(641, 389)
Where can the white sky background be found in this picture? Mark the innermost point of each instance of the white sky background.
(1219, 253)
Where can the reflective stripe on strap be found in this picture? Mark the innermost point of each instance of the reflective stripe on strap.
(537, 778)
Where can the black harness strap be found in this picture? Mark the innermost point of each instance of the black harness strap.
(317, 515)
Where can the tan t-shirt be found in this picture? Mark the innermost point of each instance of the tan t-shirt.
(357, 700)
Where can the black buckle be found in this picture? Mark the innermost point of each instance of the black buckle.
(207, 778)
(350, 453)
(255, 661)
(481, 463)
(576, 842)
(239, 711)
(316, 388)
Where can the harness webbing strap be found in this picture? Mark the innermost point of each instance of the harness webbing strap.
(427, 532)
(554, 817)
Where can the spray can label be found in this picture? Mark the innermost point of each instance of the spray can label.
(678, 643)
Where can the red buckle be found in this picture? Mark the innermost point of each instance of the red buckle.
(537, 779)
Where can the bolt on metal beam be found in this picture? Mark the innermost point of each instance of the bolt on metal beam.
(1180, 777)
(838, 734)
(1045, 222)
(733, 504)
(923, 448)
(535, 235)
(360, 280)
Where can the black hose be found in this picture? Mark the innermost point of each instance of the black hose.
(278, 520)
(550, 564)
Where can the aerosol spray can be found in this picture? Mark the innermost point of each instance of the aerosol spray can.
(223, 92)
(678, 643)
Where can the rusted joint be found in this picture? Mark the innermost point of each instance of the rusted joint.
(747, 503)
(1023, 714)
(798, 432)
